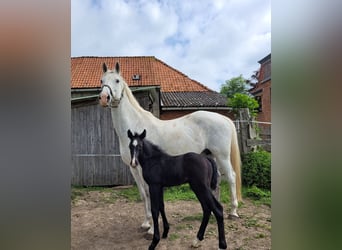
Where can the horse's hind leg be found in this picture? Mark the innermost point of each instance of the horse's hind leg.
(227, 170)
(216, 192)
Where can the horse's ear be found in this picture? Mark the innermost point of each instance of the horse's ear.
(104, 67)
(143, 135)
(129, 134)
(117, 68)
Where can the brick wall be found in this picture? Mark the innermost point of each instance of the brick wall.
(265, 114)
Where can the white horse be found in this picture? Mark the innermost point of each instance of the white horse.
(198, 132)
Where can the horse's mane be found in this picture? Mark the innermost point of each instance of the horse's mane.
(134, 101)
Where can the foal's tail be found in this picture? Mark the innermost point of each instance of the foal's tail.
(213, 182)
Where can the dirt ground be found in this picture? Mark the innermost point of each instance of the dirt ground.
(100, 222)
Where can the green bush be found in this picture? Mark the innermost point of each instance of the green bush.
(256, 169)
(244, 101)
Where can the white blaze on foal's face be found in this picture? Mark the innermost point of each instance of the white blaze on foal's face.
(134, 157)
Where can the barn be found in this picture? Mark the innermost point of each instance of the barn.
(159, 88)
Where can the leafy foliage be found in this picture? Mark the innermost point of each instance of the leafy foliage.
(256, 169)
(244, 101)
(233, 86)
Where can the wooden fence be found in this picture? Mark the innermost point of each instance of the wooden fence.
(95, 154)
(251, 133)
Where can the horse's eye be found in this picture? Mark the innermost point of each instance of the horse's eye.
(117, 81)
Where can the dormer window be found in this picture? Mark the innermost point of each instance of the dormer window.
(136, 77)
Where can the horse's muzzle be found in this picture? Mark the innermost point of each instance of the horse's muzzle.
(134, 163)
(104, 100)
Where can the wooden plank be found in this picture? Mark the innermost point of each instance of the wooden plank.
(256, 142)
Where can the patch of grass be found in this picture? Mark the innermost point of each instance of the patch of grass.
(198, 217)
(87, 189)
(173, 236)
(250, 222)
(132, 194)
(184, 226)
(260, 196)
(195, 217)
(260, 236)
(182, 192)
(224, 192)
(75, 194)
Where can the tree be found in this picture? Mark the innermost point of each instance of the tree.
(244, 101)
(235, 85)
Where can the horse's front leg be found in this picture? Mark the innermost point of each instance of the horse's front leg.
(155, 191)
(144, 194)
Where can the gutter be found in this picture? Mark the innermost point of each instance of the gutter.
(195, 108)
(84, 98)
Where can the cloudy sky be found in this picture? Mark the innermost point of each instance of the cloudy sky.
(210, 41)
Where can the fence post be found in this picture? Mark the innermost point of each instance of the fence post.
(243, 134)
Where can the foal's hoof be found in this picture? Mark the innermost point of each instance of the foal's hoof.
(196, 243)
(233, 217)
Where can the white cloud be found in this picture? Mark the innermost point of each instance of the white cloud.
(210, 41)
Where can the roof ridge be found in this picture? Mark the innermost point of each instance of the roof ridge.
(77, 57)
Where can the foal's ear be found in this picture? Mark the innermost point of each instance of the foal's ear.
(143, 135)
(104, 67)
(117, 68)
(129, 134)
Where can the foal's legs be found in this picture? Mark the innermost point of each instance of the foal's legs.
(201, 194)
(209, 203)
(218, 212)
(163, 215)
(156, 192)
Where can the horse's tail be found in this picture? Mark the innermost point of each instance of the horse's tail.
(213, 181)
(236, 163)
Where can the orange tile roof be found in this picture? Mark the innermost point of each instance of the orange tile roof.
(86, 73)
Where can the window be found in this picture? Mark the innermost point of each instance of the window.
(259, 100)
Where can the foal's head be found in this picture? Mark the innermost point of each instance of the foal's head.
(135, 146)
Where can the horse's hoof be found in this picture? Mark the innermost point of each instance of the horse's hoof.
(233, 217)
(145, 226)
(150, 231)
(148, 236)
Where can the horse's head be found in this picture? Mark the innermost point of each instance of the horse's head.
(136, 146)
(112, 86)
